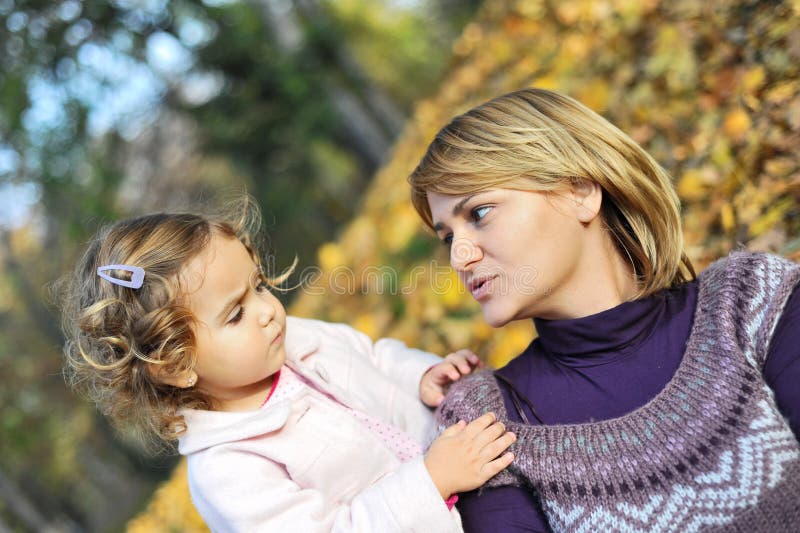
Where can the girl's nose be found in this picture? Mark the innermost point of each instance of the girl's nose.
(266, 313)
(463, 253)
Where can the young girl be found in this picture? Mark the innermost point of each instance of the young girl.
(289, 424)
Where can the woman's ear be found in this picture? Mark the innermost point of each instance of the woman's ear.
(180, 380)
(587, 196)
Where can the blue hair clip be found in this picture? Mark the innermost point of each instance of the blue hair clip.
(137, 275)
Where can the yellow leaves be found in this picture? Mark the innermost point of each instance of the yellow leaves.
(632, 12)
(530, 9)
(469, 39)
(673, 58)
(736, 124)
(595, 95)
(365, 323)
(571, 12)
(399, 226)
(695, 182)
(372, 322)
(750, 203)
(330, 255)
(753, 80)
(546, 82)
(721, 155)
(457, 333)
(509, 342)
(727, 217)
(576, 46)
(171, 509)
(781, 92)
(452, 292)
(691, 186)
(771, 217)
(793, 114)
(781, 167)
(360, 239)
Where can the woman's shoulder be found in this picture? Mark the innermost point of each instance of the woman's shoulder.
(746, 275)
(748, 291)
(745, 265)
(470, 397)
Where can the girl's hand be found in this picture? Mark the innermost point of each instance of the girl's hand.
(434, 383)
(465, 456)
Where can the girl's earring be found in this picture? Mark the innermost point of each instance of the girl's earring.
(191, 380)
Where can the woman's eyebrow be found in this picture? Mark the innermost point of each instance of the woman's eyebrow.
(460, 205)
(456, 210)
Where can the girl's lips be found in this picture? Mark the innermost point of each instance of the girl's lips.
(277, 339)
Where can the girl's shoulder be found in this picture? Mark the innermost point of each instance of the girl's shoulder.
(313, 331)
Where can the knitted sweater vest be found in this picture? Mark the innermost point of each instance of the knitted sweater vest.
(710, 452)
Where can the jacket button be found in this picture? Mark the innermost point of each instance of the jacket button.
(322, 372)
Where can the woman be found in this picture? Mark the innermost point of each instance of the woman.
(650, 400)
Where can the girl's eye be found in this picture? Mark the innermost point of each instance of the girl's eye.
(237, 317)
(479, 212)
(448, 239)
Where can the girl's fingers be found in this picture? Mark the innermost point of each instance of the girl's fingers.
(492, 468)
(459, 361)
(453, 373)
(454, 429)
(463, 366)
(475, 427)
(497, 446)
(446, 372)
(471, 357)
(489, 434)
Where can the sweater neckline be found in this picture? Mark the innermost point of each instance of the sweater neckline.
(603, 337)
(688, 367)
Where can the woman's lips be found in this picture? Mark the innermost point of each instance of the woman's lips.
(480, 287)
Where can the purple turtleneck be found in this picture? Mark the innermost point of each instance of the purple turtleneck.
(604, 366)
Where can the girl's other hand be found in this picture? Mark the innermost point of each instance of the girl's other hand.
(465, 456)
(435, 382)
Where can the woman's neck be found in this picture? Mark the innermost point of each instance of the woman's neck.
(603, 280)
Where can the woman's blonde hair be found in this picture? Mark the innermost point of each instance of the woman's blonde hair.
(113, 332)
(540, 140)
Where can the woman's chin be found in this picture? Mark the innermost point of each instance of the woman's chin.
(496, 320)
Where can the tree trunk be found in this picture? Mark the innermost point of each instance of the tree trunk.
(369, 118)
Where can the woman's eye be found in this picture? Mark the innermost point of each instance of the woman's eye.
(448, 239)
(479, 212)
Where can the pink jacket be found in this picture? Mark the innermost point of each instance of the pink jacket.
(308, 465)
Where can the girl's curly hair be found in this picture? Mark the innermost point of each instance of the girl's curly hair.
(114, 333)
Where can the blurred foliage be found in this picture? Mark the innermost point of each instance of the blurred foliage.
(109, 109)
(711, 89)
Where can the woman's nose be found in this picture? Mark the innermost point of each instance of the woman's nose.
(464, 252)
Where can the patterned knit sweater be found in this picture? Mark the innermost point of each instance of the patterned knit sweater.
(710, 452)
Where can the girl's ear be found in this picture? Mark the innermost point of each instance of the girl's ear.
(587, 197)
(180, 380)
